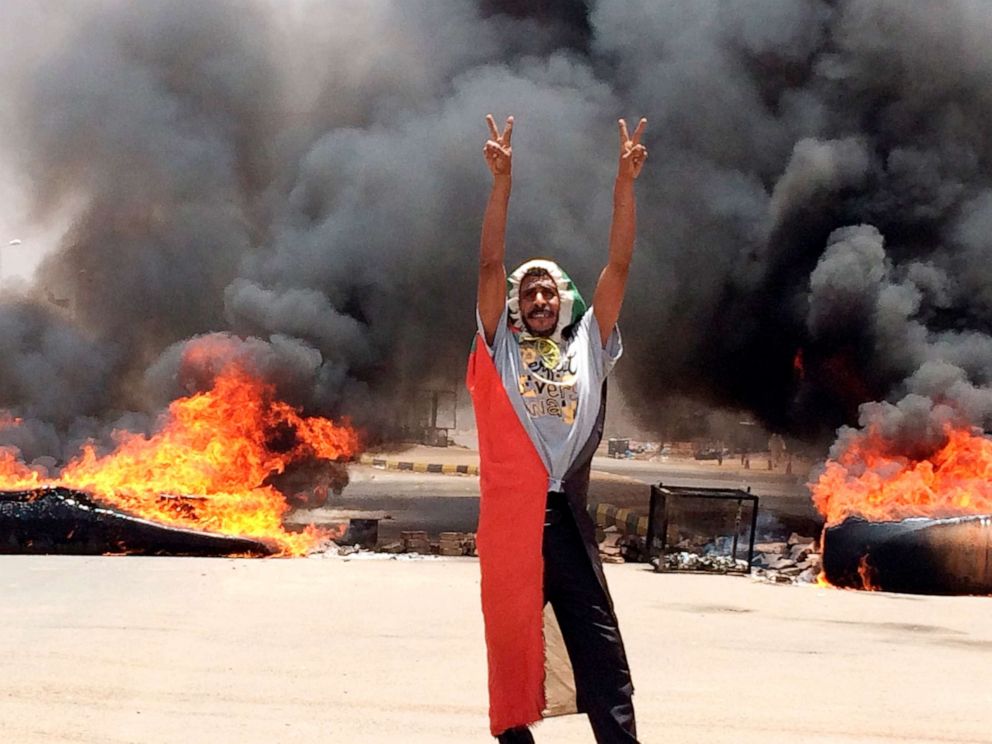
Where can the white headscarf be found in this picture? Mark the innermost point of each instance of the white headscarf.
(570, 303)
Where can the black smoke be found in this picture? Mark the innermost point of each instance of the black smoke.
(301, 183)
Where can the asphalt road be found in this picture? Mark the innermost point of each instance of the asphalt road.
(707, 475)
(436, 503)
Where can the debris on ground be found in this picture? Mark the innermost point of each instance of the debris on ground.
(794, 561)
(686, 561)
(417, 542)
(456, 543)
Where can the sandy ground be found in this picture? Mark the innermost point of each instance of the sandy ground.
(111, 650)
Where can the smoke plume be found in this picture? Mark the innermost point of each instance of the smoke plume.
(305, 179)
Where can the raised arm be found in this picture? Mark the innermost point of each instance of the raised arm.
(613, 281)
(492, 271)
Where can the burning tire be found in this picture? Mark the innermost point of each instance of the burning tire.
(914, 556)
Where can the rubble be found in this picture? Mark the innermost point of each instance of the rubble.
(685, 561)
(456, 543)
(776, 548)
(795, 561)
(449, 544)
(415, 541)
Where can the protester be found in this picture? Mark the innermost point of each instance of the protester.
(537, 375)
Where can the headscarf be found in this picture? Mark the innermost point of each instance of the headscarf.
(570, 303)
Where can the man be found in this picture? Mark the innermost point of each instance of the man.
(537, 375)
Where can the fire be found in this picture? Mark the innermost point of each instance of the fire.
(867, 575)
(870, 481)
(216, 447)
(15, 475)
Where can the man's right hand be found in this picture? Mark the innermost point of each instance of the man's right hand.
(497, 149)
(492, 272)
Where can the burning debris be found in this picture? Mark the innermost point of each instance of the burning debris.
(207, 467)
(919, 524)
(58, 520)
(874, 480)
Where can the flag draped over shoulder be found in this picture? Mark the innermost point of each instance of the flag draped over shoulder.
(513, 484)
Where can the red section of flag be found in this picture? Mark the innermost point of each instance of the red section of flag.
(513, 485)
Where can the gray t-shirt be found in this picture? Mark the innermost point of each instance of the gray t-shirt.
(556, 390)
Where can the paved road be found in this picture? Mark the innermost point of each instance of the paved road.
(115, 650)
(437, 503)
(708, 475)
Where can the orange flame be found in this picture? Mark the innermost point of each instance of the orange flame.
(867, 574)
(870, 482)
(15, 475)
(216, 447)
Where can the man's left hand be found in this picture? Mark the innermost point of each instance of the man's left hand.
(632, 152)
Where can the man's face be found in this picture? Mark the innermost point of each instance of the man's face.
(539, 304)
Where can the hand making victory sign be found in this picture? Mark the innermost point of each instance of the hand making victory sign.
(632, 152)
(613, 281)
(497, 150)
(492, 272)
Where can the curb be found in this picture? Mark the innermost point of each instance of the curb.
(625, 520)
(419, 467)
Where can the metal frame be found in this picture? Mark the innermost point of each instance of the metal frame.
(659, 504)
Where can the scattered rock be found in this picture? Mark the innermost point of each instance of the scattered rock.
(799, 552)
(785, 570)
(779, 548)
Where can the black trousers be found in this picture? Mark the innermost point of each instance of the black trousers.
(589, 629)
